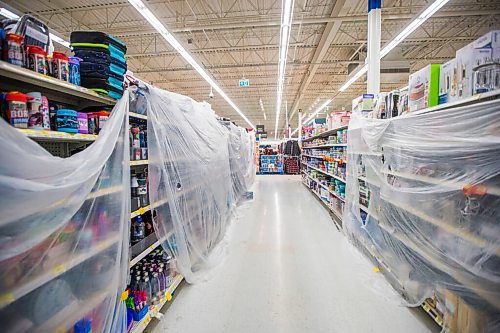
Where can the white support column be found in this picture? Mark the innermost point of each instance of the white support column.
(374, 28)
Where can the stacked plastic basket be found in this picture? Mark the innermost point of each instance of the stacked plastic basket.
(103, 61)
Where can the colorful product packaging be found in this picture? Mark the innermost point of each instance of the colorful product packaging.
(448, 82)
(37, 59)
(59, 66)
(83, 125)
(67, 121)
(424, 88)
(17, 110)
(469, 58)
(35, 116)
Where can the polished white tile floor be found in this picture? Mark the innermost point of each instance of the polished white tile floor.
(289, 269)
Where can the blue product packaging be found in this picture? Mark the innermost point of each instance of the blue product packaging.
(67, 121)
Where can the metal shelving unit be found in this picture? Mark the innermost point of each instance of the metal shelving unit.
(21, 79)
(15, 78)
(326, 133)
(333, 196)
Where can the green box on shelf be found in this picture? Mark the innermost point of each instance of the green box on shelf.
(423, 88)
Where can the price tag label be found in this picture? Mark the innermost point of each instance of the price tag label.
(59, 269)
(141, 210)
(168, 296)
(439, 320)
(6, 298)
(146, 320)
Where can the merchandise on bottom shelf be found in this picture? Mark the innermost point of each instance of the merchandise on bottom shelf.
(149, 280)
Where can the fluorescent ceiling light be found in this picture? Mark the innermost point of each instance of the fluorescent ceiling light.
(149, 16)
(262, 108)
(354, 78)
(8, 14)
(428, 12)
(286, 27)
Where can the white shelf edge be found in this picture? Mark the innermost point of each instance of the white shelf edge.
(337, 213)
(326, 173)
(325, 187)
(137, 115)
(465, 235)
(53, 272)
(329, 145)
(148, 250)
(325, 133)
(57, 136)
(140, 211)
(452, 184)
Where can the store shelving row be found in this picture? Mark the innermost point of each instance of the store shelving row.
(140, 326)
(327, 145)
(330, 208)
(325, 187)
(326, 133)
(324, 172)
(322, 157)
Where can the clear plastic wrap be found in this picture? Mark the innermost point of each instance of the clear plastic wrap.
(240, 161)
(423, 197)
(191, 187)
(64, 235)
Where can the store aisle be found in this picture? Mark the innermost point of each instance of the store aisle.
(289, 270)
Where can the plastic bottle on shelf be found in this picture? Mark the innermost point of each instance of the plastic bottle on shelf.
(155, 285)
(139, 229)
(163, 280)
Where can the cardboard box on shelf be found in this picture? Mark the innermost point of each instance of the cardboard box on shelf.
(489, 40)
(424, 88)
(363, 104)
(468, 58)
(448, 82)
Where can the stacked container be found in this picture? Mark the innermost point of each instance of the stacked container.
(103, 61)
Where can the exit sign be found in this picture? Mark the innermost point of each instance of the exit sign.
(244, 83)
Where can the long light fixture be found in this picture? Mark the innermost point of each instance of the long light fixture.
(151, 18)
(13, 16)
(428, 12)
(318, 110)
(262, 108)
(286, 25)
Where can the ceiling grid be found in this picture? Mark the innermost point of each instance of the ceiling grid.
(233, 39)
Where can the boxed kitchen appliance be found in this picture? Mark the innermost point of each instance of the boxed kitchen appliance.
(469, 58)
(448, 82)
(424, 88)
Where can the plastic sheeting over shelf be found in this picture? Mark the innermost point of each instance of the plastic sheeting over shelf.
(241, 157)
(63, 239)
(432, 182)
(190, 175)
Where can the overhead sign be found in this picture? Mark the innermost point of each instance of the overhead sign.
(244, 83)
(260, 129)
(263, 135)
